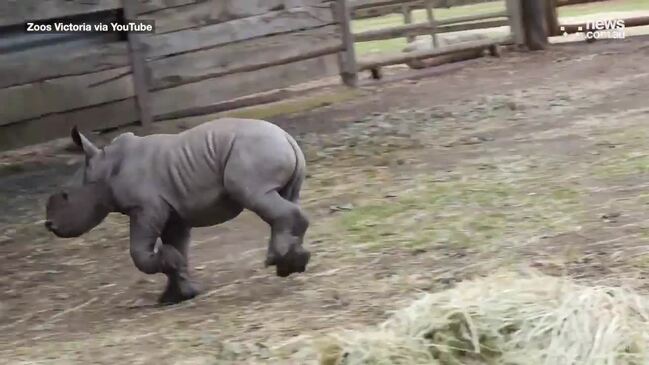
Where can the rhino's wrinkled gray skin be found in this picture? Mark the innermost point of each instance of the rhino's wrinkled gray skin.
(204, 176)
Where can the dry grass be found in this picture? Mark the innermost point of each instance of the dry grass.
(505, 319)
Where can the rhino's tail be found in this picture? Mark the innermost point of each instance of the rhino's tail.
(292, 189)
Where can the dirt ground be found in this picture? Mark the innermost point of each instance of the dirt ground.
(534, 159)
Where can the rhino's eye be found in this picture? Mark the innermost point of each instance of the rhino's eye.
(64, 195)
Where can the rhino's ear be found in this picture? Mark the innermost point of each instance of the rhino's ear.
(80, 140)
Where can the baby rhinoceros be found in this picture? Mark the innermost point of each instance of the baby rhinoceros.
(169, 183)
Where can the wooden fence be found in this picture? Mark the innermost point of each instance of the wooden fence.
(374, 8)
(350, 65)
(203, 54)
(206, 53)
(213, 51)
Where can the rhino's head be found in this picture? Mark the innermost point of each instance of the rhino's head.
(77, 210)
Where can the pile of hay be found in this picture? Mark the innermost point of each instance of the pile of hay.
(506, 319)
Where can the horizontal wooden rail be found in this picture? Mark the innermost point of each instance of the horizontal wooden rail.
(262, 64)
(447, 25)
(636, 21)
(470, 18)
(418, 55)
(575, 2)
(471, 26)
(370, 4)
(385, 10)
(629, 22)
(415, 4)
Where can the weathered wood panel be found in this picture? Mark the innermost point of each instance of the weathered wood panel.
(20, 11)
(195, 66)
(14, 39)
(183, 17)
(215, 90)
(216, 11)
(235, 9)
(237, 30)
(20, 40)
(57, 60)
(148, 6)
(62, 94)
(58, 125)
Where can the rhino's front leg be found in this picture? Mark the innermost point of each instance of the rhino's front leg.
(176, 235)
(146, 227)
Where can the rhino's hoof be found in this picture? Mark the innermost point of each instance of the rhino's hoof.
(271, 260)
(295, 261)
(178, 292)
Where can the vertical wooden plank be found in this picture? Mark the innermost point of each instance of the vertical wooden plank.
(515, 11)
(138, 66)
(535, 24)
(432, 22)
(407, 19)
(552, 17)
(346, 58)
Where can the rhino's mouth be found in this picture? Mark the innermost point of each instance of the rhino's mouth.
(50, 226)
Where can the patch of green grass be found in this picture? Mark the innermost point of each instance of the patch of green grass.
(8, 169)
(459, 214)
(625, 165)
(564, 194)
(644, 233)
(641, 261)
(643, 198)
(294, 106)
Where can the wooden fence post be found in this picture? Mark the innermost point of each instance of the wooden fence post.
(346, 58)
(552, 18)
(138, 66)
(515, 14)
(431, 20)
(535, 24)
(407, 19)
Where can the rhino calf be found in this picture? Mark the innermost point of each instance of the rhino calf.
(170, 183)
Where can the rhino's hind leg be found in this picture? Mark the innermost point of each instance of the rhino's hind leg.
(257, 170)
(288, 227)
(176, 237)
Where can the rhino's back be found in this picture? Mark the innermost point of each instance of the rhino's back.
(192, 165)
(232, 126)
